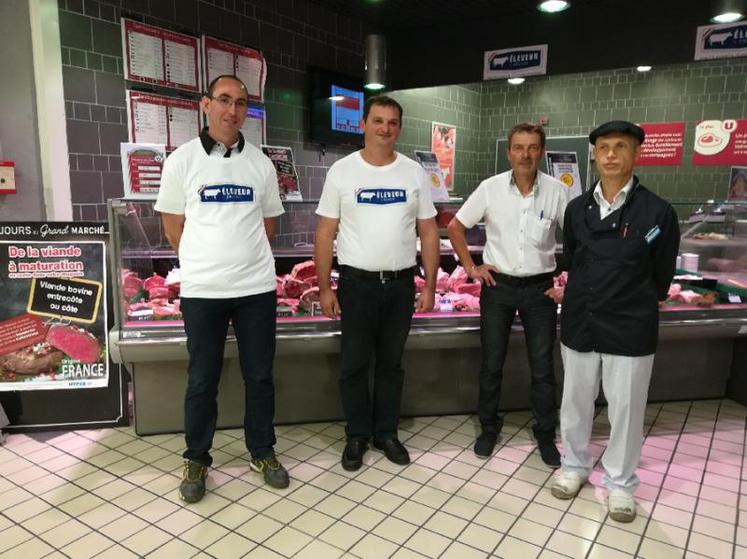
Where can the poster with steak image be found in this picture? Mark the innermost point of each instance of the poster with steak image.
(53, 318)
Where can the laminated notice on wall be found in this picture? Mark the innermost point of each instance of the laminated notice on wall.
(282, 159)
(157, 119)
(160, 57)
(429, 162)
(141, 169)
(224, 58)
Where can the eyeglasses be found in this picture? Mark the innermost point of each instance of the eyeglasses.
(226, 102)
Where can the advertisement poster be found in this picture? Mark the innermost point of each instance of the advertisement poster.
(161, 57)
(53, 323)
(347, 110)
(663, 144)
(514, 62)
(282, 159)
(141, 169)
(429, 162)
(721, 142)
(443, 144)
(726, 40)
(248, 64)
(737, 185)
(563, 165)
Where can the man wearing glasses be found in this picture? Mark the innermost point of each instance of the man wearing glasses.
(219, 202)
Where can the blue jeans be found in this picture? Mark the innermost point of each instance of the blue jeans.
(538, 313)
(375, 322)
(206, 323)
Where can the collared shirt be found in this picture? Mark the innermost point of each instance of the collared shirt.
(520, 229)
(605, 208)
(218, 149)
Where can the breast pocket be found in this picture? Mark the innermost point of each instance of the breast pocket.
(541, 231)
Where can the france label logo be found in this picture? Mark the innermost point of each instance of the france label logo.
(381, 196)
(226, 193)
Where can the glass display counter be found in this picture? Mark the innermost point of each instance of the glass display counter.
(707, 307)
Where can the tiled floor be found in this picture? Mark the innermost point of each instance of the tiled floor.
(111, 494)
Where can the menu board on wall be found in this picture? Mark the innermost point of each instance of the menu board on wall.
(160, 57)
(663, 144)
(157, 119)
(254, 129)
(222, 57)
(721, 142)
(53, 319)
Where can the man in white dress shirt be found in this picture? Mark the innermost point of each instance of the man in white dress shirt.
(521, 209)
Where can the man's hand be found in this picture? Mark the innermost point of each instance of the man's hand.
(556, 294)
(426, 300)
(329, 303)
(482, 273)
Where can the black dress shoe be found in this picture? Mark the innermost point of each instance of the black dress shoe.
(548, 450)
(394, 451)
(485, 444)
(352, 456)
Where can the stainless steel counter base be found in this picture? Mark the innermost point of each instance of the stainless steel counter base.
(442, 361)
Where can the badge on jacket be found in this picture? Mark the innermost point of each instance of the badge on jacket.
(652, 234)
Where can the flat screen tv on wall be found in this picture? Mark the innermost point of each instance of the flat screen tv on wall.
(336, 103)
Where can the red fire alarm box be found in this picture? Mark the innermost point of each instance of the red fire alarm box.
(7, 177)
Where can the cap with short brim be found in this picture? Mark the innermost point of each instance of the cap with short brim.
(619, 127)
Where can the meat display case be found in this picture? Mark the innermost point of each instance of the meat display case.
(695, 359)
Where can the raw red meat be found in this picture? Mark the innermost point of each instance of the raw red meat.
(464, 302)
(470, 288)
(458, 277)
(154, 281)
(419, 284)
(131, 284)
(293, 288)
(159, 291)
(292, 303)
(279, 286)
(442, 281)
(304, 270)
(560, 280)
(309, 297)
(75, 342)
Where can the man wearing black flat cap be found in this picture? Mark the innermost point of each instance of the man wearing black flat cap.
(620, 241)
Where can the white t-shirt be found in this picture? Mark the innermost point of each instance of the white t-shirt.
(224, 251)
(377, 207)
(520, 230)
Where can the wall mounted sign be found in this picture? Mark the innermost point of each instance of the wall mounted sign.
(737, 185)
(160, 57)
(563, 165)
(282, 159)
(518, 61)
(141, 169)
(663, 144)
(721, 142)
(53, 320)
(721, 41)
(429, 162)
(443, 144)
(157, 119)
(254, 128)
(7, 177)
(222, 57)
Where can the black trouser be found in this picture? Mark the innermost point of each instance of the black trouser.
(375, 320)
(538, 313)
(206, 323)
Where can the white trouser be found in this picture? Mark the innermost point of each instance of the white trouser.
(625, 380)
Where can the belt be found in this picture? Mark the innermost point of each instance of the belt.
(382, 276)
(518, 281)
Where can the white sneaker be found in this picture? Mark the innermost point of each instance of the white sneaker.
(567, 485)
(621, 505)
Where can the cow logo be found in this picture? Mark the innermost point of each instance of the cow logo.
(226, 193)
(381, 196)
(727, 38)
(518, 60)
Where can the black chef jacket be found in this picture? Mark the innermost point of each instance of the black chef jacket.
(619, 268)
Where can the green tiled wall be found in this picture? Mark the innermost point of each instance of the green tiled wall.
(574, 104)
